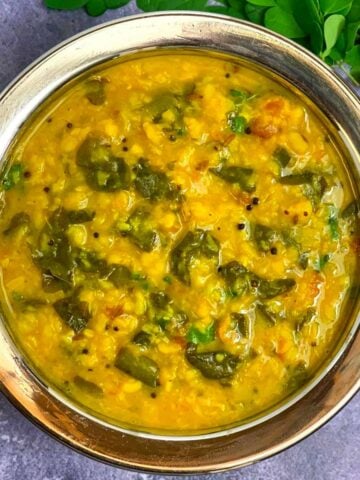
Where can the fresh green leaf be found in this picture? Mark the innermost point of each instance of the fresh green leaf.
(352, 57)
(329, 7)
(283, 22)
(255, 13)
(263, 3)
(116, 3)
(95, 7)
(65, 4)
(351, 31)
(332, 28)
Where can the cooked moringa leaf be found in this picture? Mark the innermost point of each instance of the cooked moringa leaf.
(194, 244)
(241, 176)
(74, 312)
(138, 366)
(213, 365)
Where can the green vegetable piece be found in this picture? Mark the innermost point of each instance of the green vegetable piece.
(194, 244)
(87, 387)
(139, 229)
(204, 336)
(236, 277)
(26, 303)
(138, 366)
(159, 299)
(19, 220)
(351, 210)
(119, 275)
(271, 288)
(335, 6)
(54, 253)
(13, 176)
(297, 378)
(296, 179)
(142, 339)
(103, 171)
(266, 313)
(304, 260)
(213, 365)
(89, 262)
(152, 184)
(282, 156)
(241, 176)
(95, 90)
(239, 96)
(264, 237)
(74, 312)
(333, 223)
(314, 185)
(237, 123)
(80, 216)
(305, 318)
(176, 104)
(241, 323)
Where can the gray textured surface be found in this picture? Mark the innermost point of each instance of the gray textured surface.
(27, 30)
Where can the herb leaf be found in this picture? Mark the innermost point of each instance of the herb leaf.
(283, 22)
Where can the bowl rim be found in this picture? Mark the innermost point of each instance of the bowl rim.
(36, 67)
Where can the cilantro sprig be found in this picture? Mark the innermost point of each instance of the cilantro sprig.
(329, 28)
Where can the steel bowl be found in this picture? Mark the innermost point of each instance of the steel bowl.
(339, 377)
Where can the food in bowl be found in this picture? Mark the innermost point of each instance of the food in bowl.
(178, 242)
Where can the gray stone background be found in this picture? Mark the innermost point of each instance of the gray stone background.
(27, 30)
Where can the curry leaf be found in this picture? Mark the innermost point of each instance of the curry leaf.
(138, 366)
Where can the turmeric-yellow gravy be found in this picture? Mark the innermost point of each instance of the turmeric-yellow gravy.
(177, 242)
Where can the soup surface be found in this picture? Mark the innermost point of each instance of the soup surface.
(177, 240)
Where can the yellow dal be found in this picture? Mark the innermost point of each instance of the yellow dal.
(271, 353)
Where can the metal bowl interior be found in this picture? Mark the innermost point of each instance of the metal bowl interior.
(339, 377)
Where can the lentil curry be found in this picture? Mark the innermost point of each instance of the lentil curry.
(178, 242)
